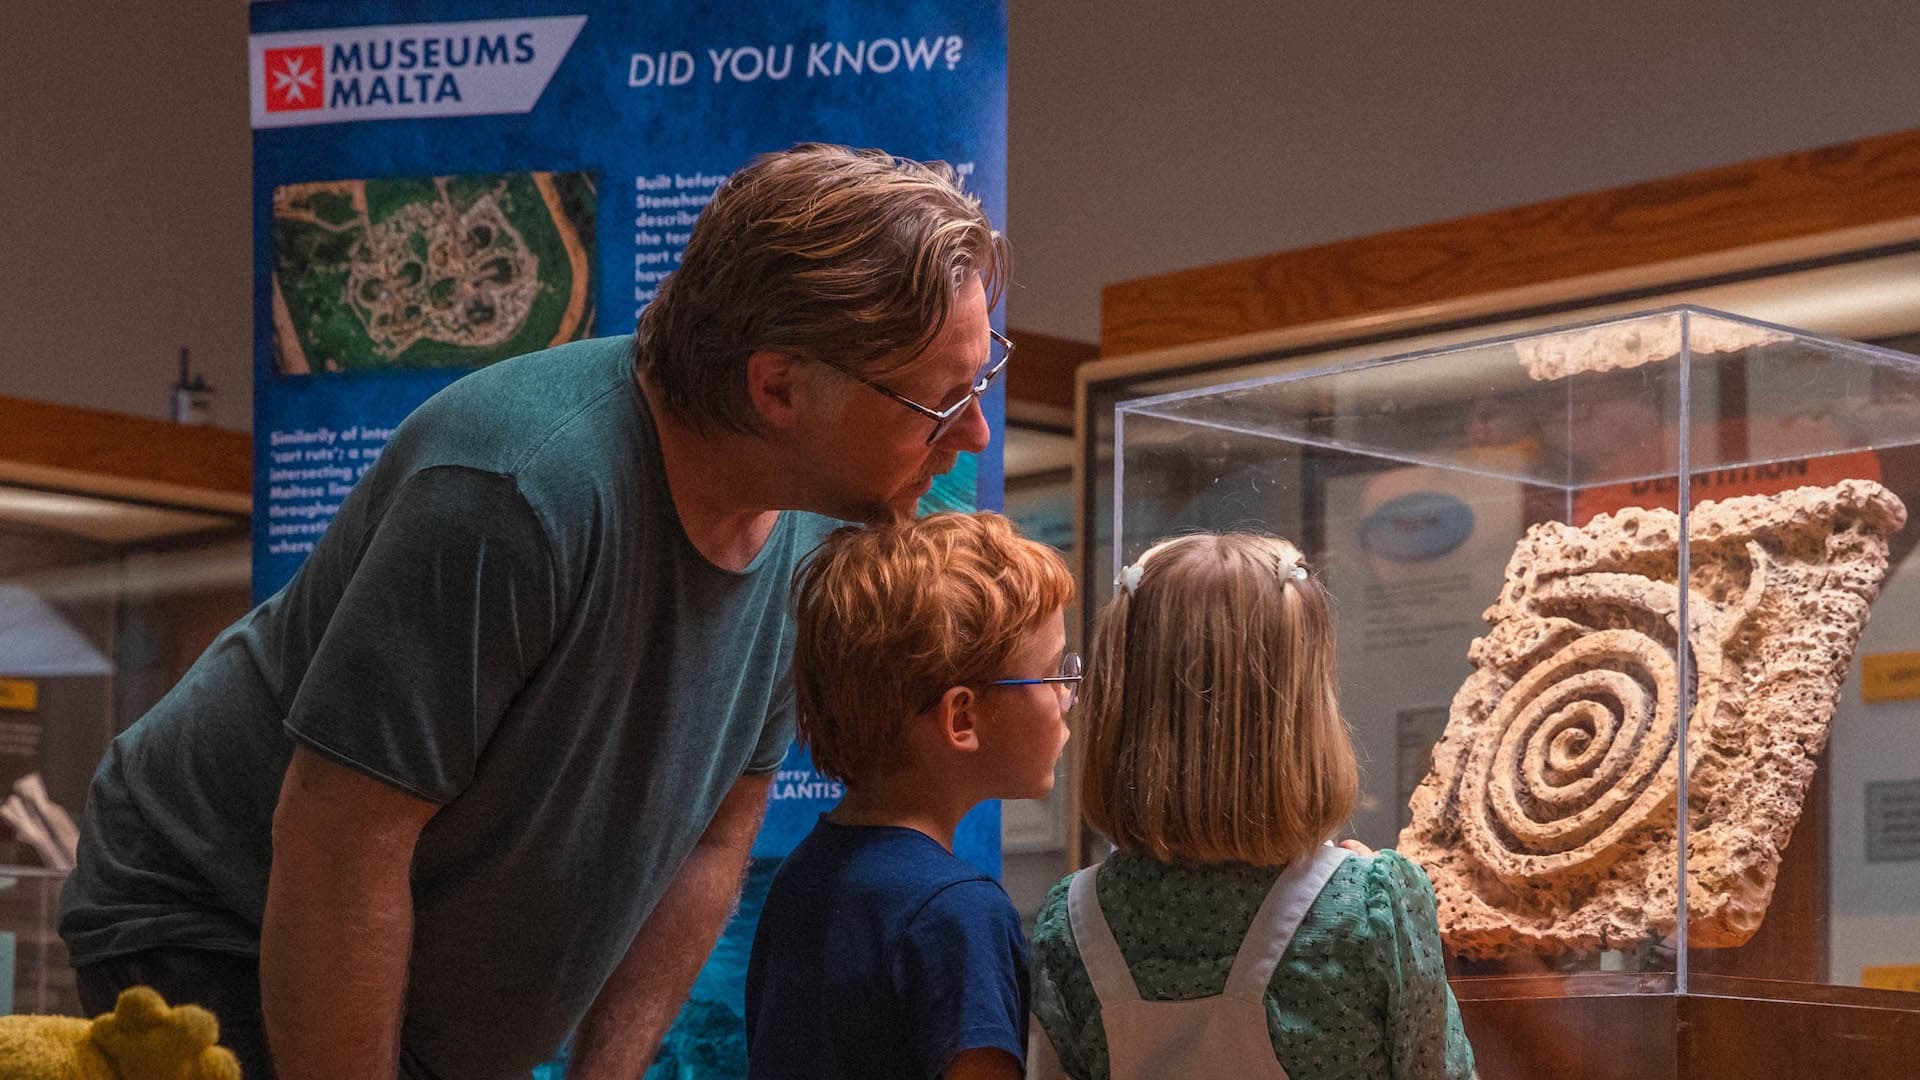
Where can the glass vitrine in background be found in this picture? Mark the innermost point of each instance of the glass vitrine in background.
(1411, 481)
(104, 602)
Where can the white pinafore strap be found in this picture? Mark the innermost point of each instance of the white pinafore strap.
(1223, 1037)
(1099, 952)
(1271, 931)
(1293, 892)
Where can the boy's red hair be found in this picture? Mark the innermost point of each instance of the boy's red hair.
(889, 617)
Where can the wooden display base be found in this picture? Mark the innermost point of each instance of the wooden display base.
(1608, 1027)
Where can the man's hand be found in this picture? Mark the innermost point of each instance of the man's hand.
(618, 1038)
(339, 921)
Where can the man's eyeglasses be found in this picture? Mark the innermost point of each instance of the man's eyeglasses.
(943, 419)
(1067, 682)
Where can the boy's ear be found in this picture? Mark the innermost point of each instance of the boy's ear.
(956, 720)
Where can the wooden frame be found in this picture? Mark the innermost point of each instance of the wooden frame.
(1043, 373)
(1737, 219)
(127, 457)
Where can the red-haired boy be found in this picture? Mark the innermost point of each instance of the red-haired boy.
(931, 673)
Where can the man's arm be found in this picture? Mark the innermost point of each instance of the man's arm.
(983, 1063)
(339, 921)
(630, 1017)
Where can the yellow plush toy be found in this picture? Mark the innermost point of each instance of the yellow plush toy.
(141, 1039)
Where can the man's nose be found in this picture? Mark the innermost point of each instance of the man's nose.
(970, 433)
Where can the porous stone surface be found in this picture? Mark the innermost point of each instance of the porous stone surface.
(1631, 343)
(1549, 820)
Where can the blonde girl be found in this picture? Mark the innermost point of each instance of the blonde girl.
(1225, 937)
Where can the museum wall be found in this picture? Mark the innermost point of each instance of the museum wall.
(1143, 141)
(124, 157)
(1140, 142)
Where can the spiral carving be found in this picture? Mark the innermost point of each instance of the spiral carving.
(1626, 680)
(1567, 763)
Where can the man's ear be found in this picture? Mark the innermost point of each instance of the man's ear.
(956, 720)
(776, 387)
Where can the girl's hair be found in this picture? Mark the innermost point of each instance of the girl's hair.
(888, 617)
(1212, 728)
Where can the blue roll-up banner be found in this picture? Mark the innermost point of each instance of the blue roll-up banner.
(437, 186)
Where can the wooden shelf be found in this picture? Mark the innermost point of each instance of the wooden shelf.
(1797, 206)
(131, 457)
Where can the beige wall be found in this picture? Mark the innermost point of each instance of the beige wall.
(1156, 136)
(124, 158)
(1144, 137)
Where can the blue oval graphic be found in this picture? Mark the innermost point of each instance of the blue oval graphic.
(1417, 527)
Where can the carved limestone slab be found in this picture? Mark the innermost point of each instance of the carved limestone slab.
(1633, 342)
(1549, 820)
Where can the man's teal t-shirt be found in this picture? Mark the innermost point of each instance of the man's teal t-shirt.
(505, 618)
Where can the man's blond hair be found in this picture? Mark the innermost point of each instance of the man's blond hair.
(889, 617)
(820, 252)
(1212, 728)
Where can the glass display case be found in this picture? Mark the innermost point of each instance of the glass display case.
(1514, 532)
(110, 586)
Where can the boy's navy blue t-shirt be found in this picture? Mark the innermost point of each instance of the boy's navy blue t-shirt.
(879, 954)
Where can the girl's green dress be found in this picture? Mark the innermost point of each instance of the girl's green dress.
(1360, 993)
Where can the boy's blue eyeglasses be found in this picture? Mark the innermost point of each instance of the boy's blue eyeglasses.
(1066, 683)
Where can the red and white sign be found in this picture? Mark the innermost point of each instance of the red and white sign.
(344, 74)
(295, 78)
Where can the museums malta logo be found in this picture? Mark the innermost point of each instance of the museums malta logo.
(344, 74)
(293, 78)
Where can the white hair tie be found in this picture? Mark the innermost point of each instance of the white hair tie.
(1129, 578)
(1291, 569)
